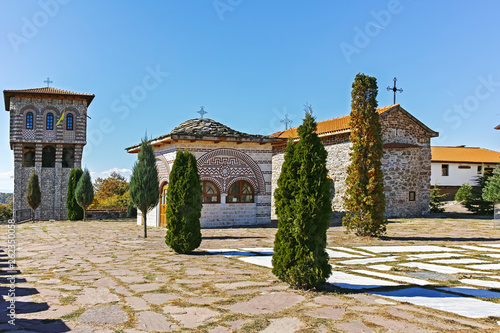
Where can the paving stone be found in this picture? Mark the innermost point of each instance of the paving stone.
(461, 261)
(403, 249)
(353, 327)
(191, 317)
(485, 267)
(198, 271)
(54, 312)
(133, 330)
(351, 281)
(152, 321)
(365, 261)
(236, 324)
(369, 309)
(131, 279)
(470, 291)
(439, 268)
(408, 316)
(328, 300)
(122, 290)
(140, 288)
(371, 299)
(204, 300)
(478, 248)
(482, 283)
(394, 277)
(327, 312)
(265, 261)
(92, 296)
(492, 255)
(392, 325)
(430, 275)
(464, 306)
(50, 281)
(435, 255)
(266, 303)
(381, 267)
(348, 249)
(106, 314)
(105, 282)
(160, 298)
(240, 284)
(283, 325)
(340, 254)
(137, 303)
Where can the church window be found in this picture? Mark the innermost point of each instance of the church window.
(50, 121)
(445, 170)
(69, 122)
(68, 157)
(479, 169)
(28, 156)
(210, 192)
(241, 191)
(29, 120)
(48, 157)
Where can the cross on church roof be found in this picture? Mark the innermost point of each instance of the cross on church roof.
(286, 121)
(202, 111)
(394, 89)
(48, 81)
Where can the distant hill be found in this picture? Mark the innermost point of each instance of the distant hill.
(6, 197)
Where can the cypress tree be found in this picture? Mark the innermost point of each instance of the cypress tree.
(84, 192)
(364, 200)
(184, 204)
(33, 193)
(303, 207)
(75, 212)
(144, 185)
(491, 192)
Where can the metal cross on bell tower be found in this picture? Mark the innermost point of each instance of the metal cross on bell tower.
(202, 111)
(48, 82)
(394, 89)
(286, 121)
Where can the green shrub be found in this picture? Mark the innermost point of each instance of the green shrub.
(472, 197)
(6, 211)
(491, 191)
(303, 207)
(436, 203)
(184, 204)
(75, 212)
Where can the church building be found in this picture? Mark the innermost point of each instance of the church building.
(239, 171)
(48, 130)
(235, 171)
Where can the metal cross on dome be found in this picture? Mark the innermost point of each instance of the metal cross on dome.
(48, 82)
(394, 89)
(202, 111)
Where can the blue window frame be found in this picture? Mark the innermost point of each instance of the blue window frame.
(29, 120)
(50, 121)
(69, 122)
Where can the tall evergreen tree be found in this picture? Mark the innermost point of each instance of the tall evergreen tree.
(33, 193)
(303, 207)
(472, 196)
(144, 185)
(84, 192)
(491, 191)
(184, 205)
(75, 212)
(364, 200)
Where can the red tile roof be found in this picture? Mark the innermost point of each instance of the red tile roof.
(44, 92)
(462, 154)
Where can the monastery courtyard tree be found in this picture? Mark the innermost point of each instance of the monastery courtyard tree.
(75, 212)
(303, 208)
(33, 193)
(184, 204)
(84, 192)
(144, 185)
(364, 200)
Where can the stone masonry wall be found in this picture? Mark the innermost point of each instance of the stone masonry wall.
(405, 169)
(254, 161)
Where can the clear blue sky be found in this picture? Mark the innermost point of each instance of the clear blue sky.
(249, 63)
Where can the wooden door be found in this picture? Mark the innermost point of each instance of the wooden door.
(163, 206)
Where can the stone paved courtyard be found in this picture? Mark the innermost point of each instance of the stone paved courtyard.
(426, 275)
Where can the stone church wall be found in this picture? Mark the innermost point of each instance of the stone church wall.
(405, 169)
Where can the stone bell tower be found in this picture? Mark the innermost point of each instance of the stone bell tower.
(48, 130)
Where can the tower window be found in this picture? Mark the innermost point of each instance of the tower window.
(68, 157)
(29, 120)
(69, 122)
(240, 191)
(28, 156)
(50, 121)
(48, 157)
